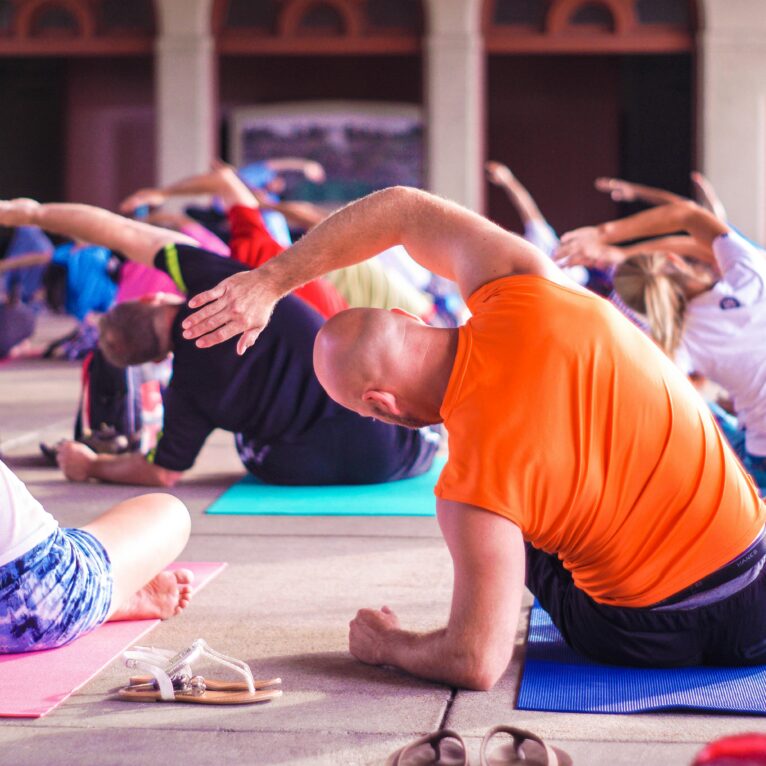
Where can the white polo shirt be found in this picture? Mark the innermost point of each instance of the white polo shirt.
(724, 335)
(23, 521)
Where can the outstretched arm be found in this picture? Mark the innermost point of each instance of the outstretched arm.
(221, 180)
(80, 463)
(474, 649)
(24, 261)
(687, 216)
(707, 196)
(626, 191)
(440, 235)
(520, 198)
(137, 241)
(297, 212)
(592, 252)
(311, 169)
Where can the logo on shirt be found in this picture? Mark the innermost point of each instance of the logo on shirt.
(729, 302)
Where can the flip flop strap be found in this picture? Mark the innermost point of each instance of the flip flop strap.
(434, 739)
(519, 737)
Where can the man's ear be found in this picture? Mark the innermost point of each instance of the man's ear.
(385, 401)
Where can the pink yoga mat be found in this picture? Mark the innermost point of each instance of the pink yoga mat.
(34, 683)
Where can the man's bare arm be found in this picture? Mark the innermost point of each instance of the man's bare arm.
(80, 463)
(137, 241)
(474, 649)
(440, 235)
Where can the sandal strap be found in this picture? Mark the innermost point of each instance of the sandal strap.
(179, 665)
(519, 737)
(139, 661)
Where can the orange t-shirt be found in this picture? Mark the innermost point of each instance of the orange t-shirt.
(566, 419)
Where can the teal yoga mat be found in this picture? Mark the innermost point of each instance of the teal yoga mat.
(407, 497)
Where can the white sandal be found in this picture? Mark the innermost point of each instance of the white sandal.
(171, 677)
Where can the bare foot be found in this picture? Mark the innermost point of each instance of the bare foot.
(165, 596)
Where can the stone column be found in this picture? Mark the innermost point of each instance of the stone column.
(185, 71)
(455, 101)
(733, 108)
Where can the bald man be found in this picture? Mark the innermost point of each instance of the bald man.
(580, 458)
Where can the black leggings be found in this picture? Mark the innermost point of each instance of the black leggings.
(729, 632)
(342, 449)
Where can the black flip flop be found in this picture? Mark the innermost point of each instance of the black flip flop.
(440, 748)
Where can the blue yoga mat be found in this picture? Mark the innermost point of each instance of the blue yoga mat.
(556, 678)
(408, 497)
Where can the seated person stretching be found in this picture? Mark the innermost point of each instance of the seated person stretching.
(58, 584)
(578, 451)
(288, 430)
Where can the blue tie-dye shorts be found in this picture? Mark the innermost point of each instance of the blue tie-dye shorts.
(57, 591)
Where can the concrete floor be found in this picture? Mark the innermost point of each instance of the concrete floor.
(283, 605)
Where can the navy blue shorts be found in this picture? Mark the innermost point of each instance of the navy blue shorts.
(54, 593)
(729, 632)
(343, 449)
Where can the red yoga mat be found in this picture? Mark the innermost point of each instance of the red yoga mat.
(34, 683)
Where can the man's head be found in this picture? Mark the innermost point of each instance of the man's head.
(374, 362)
(135, 332)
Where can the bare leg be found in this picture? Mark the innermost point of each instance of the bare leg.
(142, 536)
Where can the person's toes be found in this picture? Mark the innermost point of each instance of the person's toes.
(184, 576)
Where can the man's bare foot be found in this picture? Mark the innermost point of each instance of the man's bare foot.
(165, 596)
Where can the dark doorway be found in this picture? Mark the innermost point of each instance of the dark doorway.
(31, 131)
(561, 121)
(656, 121)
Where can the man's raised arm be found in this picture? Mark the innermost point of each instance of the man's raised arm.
(440, 235)
(137, 241)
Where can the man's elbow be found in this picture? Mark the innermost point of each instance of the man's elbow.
(401, 196)
(483, 678)
(482, 671)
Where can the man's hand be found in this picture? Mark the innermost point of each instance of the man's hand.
(150, 196)
(18, 212)
(243, 303)
(75, 460)
(368, 633)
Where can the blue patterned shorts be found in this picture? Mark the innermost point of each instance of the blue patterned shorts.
(54, 593)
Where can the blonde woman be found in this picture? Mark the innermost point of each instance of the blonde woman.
(704, 297)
